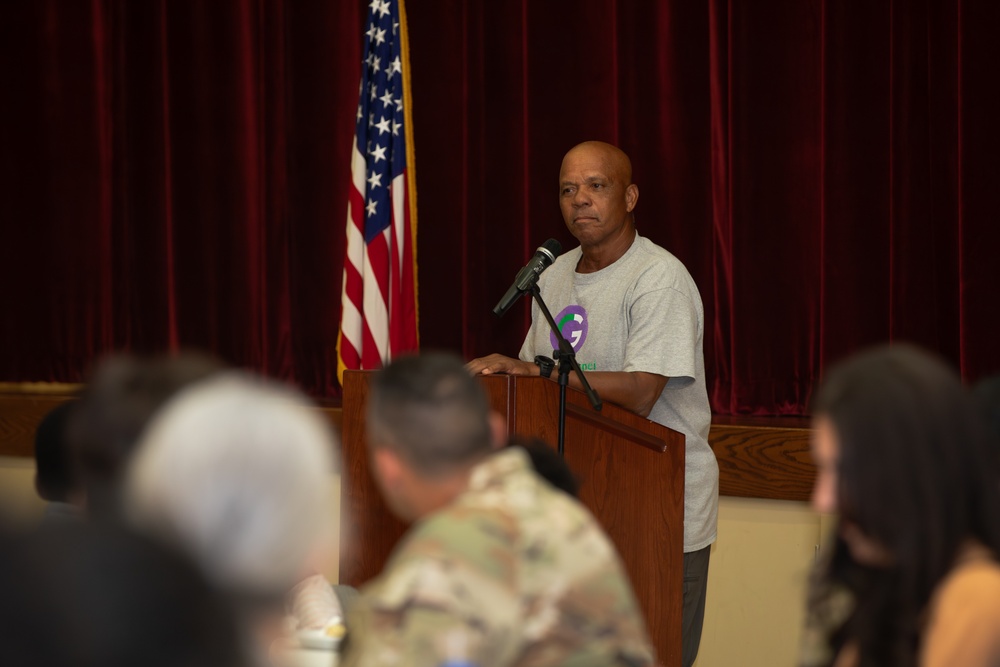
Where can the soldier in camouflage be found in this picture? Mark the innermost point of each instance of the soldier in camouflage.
(499, 568)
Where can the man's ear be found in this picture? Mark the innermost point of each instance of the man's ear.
(387, 465)
(631, 197)
(395, 482)
(498, 430)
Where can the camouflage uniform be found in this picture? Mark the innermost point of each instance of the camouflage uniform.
(512, 573)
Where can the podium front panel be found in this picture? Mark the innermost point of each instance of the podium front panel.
(632, 478)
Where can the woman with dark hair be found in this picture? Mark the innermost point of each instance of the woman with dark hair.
(912, 579)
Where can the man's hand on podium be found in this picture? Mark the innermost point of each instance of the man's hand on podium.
(497, 363)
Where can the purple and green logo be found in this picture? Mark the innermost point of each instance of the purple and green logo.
(572, 322)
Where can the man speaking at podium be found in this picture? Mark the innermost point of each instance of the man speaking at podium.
(634, 318)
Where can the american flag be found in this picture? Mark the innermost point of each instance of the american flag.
(379, 303)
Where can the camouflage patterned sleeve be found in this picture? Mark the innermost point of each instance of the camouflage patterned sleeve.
(513, 574)
(447, 594)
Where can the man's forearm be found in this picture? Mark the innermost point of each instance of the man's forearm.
(635, 391)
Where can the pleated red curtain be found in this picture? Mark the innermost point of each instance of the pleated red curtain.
(173, 174)
(824, 169)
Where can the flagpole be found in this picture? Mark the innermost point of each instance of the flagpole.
(411, 160)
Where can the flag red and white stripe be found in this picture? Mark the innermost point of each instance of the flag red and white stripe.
(378, 301)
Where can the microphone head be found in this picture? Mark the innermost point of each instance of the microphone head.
(528, 276)
(552, 248)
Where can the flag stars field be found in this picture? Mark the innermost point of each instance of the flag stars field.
(378, 298)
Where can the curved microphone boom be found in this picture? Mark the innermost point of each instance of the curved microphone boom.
(528, 276)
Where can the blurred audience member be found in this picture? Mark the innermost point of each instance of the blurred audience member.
(124, 393)
(986, 393)
(95, 596)
(56, 480)
(237, 472)
(313, 603)
(913, 577)
(548, 464)
(499, 568)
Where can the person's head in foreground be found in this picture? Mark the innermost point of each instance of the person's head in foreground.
(547, 462)
(902, 457)
(986, 394)
(429, 424)
(95, 595)
(236, 471)
(56, 477)
(123, 395)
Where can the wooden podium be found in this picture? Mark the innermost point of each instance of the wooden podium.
(632, 478)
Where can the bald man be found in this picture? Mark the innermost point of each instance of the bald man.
(634, 317)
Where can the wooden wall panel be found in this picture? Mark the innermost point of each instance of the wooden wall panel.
(20, 413)
(759, 457)
(21, 410)
(763, 457)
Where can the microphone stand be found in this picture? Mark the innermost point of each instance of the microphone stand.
(567, 361)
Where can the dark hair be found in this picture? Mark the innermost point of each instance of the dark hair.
(986, 394)
(917, 476)
(547, 463)
(114, 410)
(86, 595)
(55, 472)
(431, 411)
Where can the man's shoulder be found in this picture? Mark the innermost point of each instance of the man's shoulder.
(466, 558)
(469, 531)
(649, 268)
(444, 557)
(536, 573)
(524, 520)
(656, 257)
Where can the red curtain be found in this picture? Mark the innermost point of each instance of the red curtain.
(824, 169)
(173, 174)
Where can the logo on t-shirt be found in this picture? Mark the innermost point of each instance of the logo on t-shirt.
(572, 322)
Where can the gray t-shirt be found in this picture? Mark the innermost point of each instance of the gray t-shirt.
(642, 313)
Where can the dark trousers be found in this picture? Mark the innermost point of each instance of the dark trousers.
(695, 585)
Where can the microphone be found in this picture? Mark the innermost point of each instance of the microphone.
(528, 276)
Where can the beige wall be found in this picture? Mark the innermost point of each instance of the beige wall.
(757, 582)
(18, 499)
